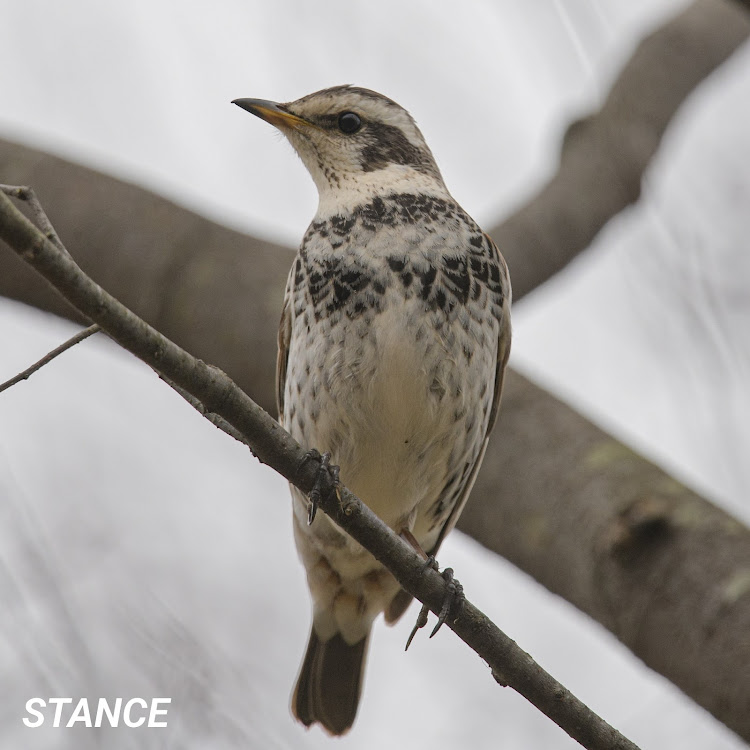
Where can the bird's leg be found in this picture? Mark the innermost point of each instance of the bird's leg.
(454, 592)
(411, 540)
(325, 468)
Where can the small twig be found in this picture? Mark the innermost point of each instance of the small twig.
(47, 358)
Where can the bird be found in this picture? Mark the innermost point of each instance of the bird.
(394, 338)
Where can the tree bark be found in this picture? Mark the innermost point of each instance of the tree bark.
(665, 570)
(605, 155)
(660, 567)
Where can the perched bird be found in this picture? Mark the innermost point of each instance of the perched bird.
(394, 337)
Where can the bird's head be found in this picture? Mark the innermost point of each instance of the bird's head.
(355, 143)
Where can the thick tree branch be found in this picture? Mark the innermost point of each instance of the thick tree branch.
(275, 447)
(605, 155)
(662, 568)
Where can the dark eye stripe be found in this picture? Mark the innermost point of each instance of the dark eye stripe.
(386, 144)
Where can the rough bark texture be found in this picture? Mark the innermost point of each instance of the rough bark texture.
(661, 567)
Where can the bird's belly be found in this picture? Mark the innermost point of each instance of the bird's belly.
(391, 400)
(393, 432)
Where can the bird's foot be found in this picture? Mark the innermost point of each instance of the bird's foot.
(454, 596)
(327, 472)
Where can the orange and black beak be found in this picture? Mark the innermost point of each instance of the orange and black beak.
(271, 112)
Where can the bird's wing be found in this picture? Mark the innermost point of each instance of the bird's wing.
(504, 338)
(285, 335)
(503, 352)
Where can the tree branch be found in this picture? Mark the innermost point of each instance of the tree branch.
(213, 418)
(275, 447)
(47, 358)
(604, 156)
(27, 194)
(659, 566)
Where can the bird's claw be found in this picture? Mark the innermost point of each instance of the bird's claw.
(420, 623)
(454, 595)
(324, 468)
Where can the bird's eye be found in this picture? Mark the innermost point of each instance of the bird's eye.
(349, 122)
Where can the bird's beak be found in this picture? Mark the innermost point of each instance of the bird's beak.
(272, 112)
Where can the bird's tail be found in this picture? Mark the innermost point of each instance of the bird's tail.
(330, 682)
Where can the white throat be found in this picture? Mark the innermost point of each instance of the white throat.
(357, 188)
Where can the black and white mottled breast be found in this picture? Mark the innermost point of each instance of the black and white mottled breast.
(425, 246)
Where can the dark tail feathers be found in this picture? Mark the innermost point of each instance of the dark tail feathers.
(330, 683)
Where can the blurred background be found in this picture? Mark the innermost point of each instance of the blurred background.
(143, 553)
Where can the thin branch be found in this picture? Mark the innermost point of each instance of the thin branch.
(274, 446)
(47, 358)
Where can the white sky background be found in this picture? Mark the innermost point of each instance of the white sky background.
(143, 553)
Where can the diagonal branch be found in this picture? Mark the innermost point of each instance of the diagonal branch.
(604, 156)
(275, 447)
